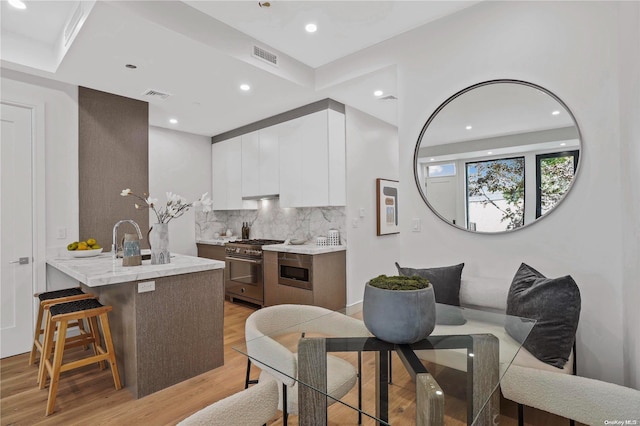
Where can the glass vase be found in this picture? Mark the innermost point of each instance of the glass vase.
(159, 242)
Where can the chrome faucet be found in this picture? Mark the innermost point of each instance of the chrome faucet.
(114, 245)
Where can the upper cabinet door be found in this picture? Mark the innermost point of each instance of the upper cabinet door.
(315, 160)
(226, 161)
(219, 175)
(270, 160)
(251, 164)
(291, 135)
(337, 159)
(305, 155)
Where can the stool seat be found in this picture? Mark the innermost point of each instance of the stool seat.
(74, 306)
(60, 315)
(57, 294)
(47, 299)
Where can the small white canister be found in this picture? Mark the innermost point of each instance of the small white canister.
(333, 237)
(321, 241)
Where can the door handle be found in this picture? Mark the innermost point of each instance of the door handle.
(21, 261)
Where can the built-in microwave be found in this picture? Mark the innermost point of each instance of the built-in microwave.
(295, 270)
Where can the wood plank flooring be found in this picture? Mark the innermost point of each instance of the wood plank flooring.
(87, 396)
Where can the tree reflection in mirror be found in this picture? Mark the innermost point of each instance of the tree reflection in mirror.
(495, 194)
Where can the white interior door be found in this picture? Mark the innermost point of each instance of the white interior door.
(16, 230)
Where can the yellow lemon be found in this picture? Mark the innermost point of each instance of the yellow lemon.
(72, 246)
(82, 245)
(91, 241)
(95, 246)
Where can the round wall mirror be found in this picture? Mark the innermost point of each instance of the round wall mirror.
(497, 156)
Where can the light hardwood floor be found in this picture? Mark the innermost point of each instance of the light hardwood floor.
(87, 397)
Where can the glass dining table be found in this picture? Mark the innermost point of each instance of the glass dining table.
(451, 377)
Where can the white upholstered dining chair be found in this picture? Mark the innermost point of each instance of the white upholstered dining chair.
(264, 325)
(251, 407)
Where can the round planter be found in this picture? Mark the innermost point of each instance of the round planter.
(399, 316)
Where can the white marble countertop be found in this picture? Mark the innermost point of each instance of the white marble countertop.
(304, 248)
(102, 270)
(217, 241)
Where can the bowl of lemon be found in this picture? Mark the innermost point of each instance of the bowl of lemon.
(88, 248)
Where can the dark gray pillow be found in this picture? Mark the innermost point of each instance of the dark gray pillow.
(446, 288)
(555, 305)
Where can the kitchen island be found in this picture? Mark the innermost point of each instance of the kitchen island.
(167, 320)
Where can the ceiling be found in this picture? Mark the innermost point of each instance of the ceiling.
(199, 52)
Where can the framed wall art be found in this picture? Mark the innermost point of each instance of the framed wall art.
(387, 207)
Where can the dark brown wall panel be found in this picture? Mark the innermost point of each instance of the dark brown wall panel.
(113, 154)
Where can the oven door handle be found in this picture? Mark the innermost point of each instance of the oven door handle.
(239, 259)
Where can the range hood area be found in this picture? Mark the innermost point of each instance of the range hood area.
(261, 197)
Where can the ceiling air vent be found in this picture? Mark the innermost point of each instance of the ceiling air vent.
(265, 55)
(155, 94)
(388, 98)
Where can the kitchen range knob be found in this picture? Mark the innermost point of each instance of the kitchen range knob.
(238, 250)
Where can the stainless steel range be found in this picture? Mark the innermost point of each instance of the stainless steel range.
(244, 278)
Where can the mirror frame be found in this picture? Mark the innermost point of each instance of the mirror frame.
(462, 92)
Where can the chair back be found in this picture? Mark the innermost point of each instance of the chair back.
(254, 406)
(277, 320)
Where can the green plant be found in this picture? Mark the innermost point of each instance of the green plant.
(399, 282)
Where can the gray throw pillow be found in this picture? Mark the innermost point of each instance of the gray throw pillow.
(446, 288)
(555, 305)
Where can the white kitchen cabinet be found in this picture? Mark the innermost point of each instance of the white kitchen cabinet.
(226, 160)
(260, 162)
(312, 160)
(250, 164)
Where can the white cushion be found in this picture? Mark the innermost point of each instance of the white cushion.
(458, 358)
(588, 401)
(484, 292)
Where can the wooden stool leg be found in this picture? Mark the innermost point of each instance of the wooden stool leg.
(36, 335)
(82, 332)
(47, 347)
(97, 343)
(104, 321)
(55, 368)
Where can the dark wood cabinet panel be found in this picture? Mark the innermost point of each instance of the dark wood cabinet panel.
(329, 282)
(211, 252)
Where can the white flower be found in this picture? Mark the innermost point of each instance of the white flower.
(175, 207)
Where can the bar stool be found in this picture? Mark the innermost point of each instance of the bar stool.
(61, 314)
(46, 299)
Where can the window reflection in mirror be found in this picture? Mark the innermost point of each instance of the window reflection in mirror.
(497, 156)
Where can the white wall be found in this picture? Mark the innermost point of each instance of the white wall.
(180, 163)
(372, 152)
(570, 48)
(57, 129)
(630, 161)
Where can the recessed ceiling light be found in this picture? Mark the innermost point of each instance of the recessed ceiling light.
(556, 112)
(563, 144)
(131, 66)
(311, 28)
(245, 87)
(173, 121)
(469, 127)
(489, 152)
(18, 4)
(432, 159)
(378, 93)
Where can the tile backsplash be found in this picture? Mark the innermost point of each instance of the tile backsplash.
(271, 221)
